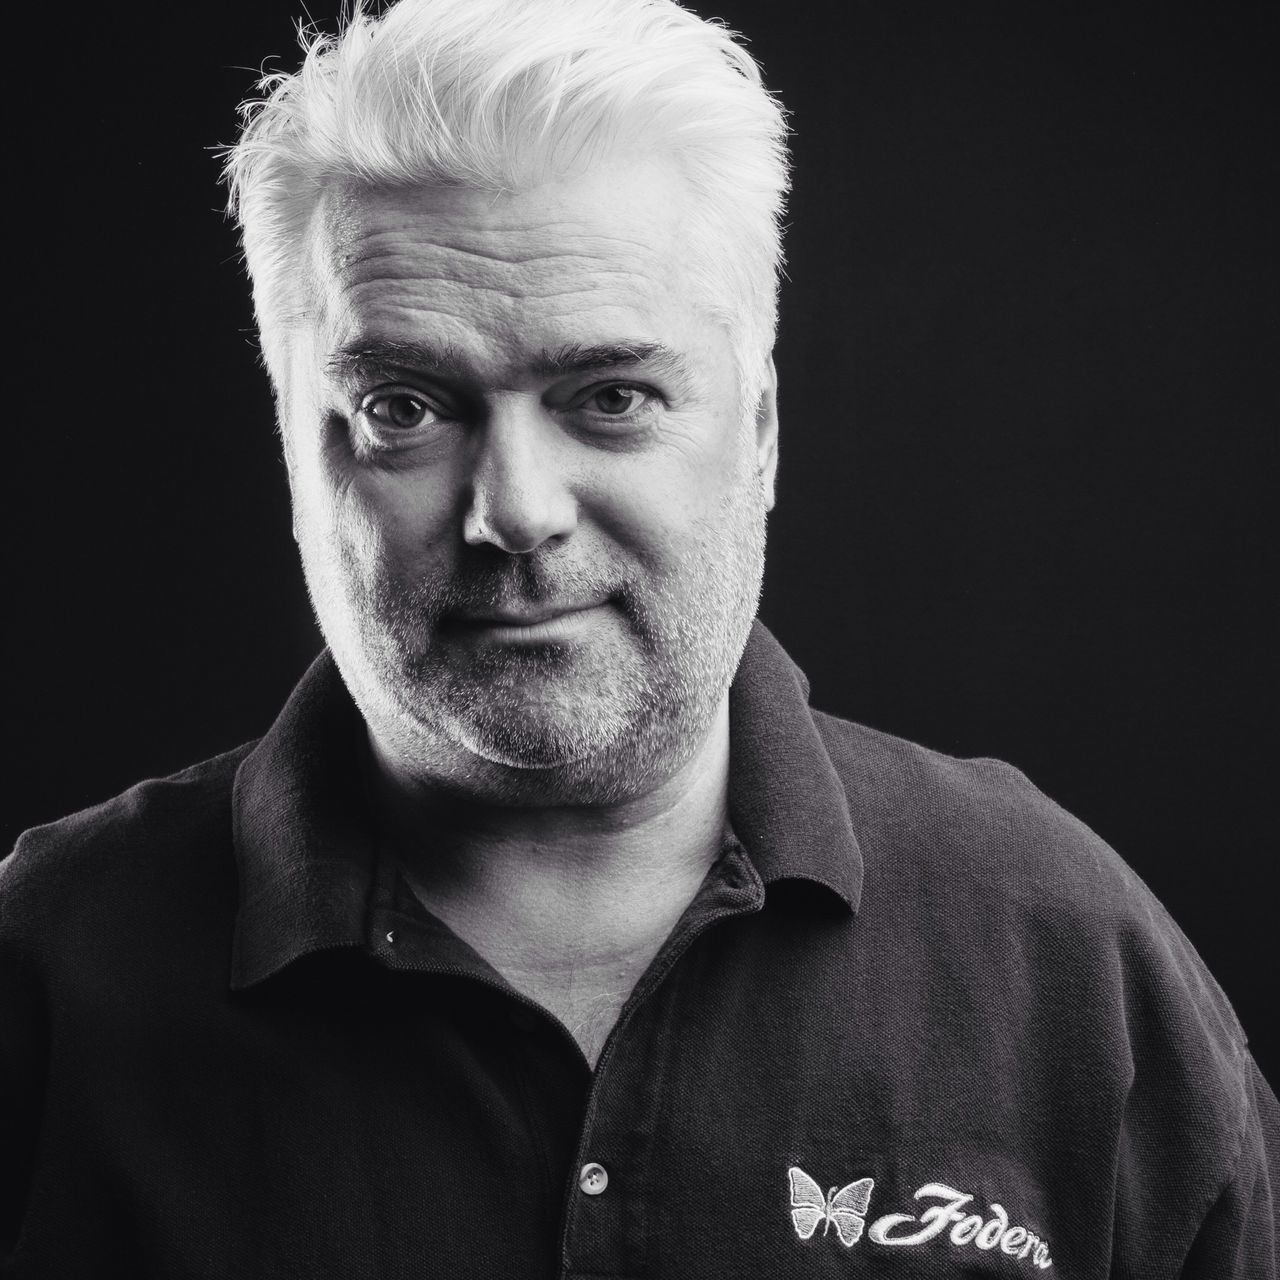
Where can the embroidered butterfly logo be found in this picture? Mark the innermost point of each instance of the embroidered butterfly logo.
(845, 1209)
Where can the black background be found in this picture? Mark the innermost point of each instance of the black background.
(1028, 399)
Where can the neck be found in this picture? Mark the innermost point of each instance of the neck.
(562, 888)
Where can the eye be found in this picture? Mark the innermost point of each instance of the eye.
(621, 400)
(617, 400)
(398, 410)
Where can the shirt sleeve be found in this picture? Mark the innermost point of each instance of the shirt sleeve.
(1238, 1238)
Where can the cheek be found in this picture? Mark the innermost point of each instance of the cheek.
(405, 525)
(372, 516)
(663, 508)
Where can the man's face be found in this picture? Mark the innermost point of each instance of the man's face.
(529, 500)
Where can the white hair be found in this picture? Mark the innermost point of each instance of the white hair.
(494, 94)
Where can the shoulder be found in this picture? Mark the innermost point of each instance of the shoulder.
(981, 817)
(974, 849)
(1025, 951)
(89, 861)
(893, 774)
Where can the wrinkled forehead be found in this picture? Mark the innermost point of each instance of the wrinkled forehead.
(641, 202)
(572, 260)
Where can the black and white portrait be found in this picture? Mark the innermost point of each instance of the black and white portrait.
(641, 644)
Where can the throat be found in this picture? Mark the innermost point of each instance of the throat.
(581, 967)
(577, 946)
(570, 905)
(587, 1001)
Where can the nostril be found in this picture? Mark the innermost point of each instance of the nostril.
(519, 522)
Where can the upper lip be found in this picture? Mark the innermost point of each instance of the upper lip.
(526, 615)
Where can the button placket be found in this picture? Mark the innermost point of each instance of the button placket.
(609, 1234)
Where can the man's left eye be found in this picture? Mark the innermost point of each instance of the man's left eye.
(617, 400)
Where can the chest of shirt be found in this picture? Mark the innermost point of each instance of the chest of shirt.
(383, 1118)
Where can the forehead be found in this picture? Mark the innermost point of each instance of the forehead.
(497, 275)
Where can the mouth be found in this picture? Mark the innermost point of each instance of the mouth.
(526, 625)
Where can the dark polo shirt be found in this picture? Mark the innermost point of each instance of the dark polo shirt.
(918, 1022)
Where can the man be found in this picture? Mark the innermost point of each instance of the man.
(549, 932)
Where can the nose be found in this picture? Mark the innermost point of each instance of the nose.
(520, 496)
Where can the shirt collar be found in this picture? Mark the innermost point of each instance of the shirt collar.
(786, 801)
(303, 832)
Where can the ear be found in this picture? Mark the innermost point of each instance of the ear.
(767, 435)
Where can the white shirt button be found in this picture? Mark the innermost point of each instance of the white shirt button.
(593, 1179)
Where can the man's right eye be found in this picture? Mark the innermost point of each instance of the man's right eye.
(398, 410)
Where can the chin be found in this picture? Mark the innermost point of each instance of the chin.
(545, 737)
(586, 783)
(526, 746)
(596, 756)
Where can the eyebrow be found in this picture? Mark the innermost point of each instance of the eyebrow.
(575, 358)
(390, 355)
(387, 355)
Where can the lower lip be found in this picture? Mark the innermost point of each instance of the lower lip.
(564, 626)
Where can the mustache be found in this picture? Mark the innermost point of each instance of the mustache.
(489, 578)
